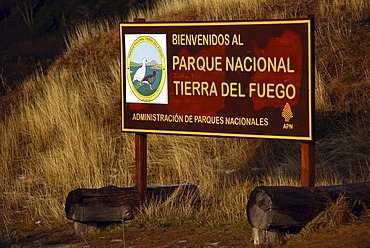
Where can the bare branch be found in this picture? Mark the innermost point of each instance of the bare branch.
(26, 7)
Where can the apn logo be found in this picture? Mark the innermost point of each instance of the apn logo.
(287, 114)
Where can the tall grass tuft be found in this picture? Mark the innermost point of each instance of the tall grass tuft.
(337, 213)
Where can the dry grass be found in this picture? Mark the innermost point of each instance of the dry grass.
(61, 129)
(337, 213)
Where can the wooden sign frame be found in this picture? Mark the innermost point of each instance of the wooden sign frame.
(252, 79)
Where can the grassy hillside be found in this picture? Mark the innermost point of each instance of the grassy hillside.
(60, 130)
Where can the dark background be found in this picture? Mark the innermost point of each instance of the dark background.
(32, 32)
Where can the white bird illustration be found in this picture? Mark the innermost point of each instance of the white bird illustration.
(140, 73)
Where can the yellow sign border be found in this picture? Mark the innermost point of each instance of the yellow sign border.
(307, 21)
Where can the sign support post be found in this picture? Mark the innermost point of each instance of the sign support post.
(141, 164)
(308, 147)
(308, 164)
(141, 157)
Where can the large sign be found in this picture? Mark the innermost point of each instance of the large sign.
(237, 79)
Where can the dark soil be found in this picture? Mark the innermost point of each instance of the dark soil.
(355, 234)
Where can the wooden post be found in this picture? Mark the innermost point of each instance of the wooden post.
(139, 19)
(308, 148)
(141, 164)
(308, 164)
(141, 156)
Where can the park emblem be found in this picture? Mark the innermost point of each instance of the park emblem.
(146, 69)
